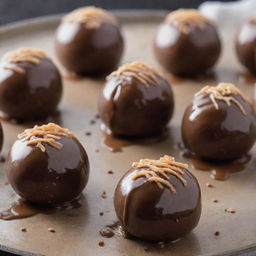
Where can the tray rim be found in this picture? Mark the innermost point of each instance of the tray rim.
(123, 15)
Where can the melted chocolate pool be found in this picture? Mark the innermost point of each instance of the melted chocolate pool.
(219, 170)
(115, 144)
(22, 209)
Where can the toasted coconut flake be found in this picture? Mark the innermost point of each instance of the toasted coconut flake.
(187, 19)
(158, 170)
(139, 70)
(90, 16)
(49, 134)
(224, 92)
(31, 55)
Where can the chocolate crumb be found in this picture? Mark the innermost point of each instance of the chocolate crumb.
(101, 243)
(101, 213)
(97, 150)
(110, 172)
(230, 210)
(217, 233)
(92, 122)
(160, 245)
(104, 195)
(209, 185)
(215, 200)
(97, 116)
(52, 230)
(23, 230)
(2, 158)
(88, 133)
(146, 249)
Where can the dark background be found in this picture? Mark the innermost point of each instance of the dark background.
(14, 10)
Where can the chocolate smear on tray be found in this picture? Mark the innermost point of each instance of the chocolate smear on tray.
(22, 209)
(219, 170)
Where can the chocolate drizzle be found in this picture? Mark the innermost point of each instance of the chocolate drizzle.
(90, 16)
(158, 169)
(140, 71)
(49, 134)
(223, 92)
(31, 55)
(187, 19)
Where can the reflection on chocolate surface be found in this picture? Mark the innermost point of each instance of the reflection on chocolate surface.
(47, 165)
(158, 200)
(246, 43)
(220, 124)
(30, 85)
(136, 102)
(89, 42)
(187, 43)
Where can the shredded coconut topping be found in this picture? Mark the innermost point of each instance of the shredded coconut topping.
(224, 92)
(31, 55)
(45, 134)
(90, 16)
(187, 19)
(140, 71)
(157, 170)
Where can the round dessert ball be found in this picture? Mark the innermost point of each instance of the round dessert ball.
(30, 85)
(89, 42)
(187, 43)
(47, 165)
(246, 44)
(158, 200)
(136, 101)
(219, 124)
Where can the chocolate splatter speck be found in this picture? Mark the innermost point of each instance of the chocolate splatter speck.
(209, 185)
(104, 195)
(230, 210)
(101, 243)
(2, 158)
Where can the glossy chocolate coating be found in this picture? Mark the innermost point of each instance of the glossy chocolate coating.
(218, 134)
(245, 45)
(89, 50)
(32, 95)
(153, 214)
(130, 108)
(50, 177)
(187, 54)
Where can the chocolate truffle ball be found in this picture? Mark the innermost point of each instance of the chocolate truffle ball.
(47, 165)
(187, 43)
(89, 42)
(136, 101)
(219, 124)
(158, 200)
(246, 44)
(30, 85)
